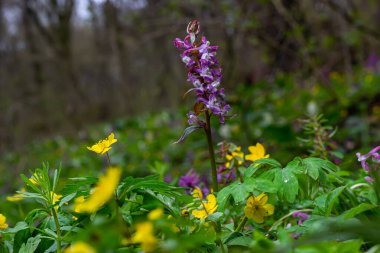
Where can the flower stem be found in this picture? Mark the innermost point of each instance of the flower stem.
(58, 230)
(278, 222)
(108, 159)
(241, 224)
(211, 152)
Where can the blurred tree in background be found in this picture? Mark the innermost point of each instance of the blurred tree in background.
(66, 63)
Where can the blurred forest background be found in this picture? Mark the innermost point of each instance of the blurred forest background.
(65, 64)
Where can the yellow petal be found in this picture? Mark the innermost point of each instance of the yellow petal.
(269, 209)
(260, 150)
(155, 214)
(211, 205)
(261, 199)
(258, 216)
(250, 201)
(197, 193)
(200, 214)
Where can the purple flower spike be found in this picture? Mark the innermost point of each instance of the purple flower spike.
(191, 179)
(302, 217)
(204, 72)
(363, 159)
(225, 175)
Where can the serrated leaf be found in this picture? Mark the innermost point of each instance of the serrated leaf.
(19, 226)
(290, 185)
(260, 184)
(295, 166)
(326, 202)
(254, 167)
(240, 241)
(236, 190)
(265, 185)
(31, 245)
(214, 217)
(287, 185)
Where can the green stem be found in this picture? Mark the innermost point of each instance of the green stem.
(211, 152)
(218, 228)
(108, 159)
(58, 230)
(238, 174)
(278, 222)
(241, 224)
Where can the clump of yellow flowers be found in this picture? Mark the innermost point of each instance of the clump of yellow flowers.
(103, 146)
(237, 154)
(80, 247)
(257, 208)
(207, 206)
(103, 192)
(3, 224)
(257, 152)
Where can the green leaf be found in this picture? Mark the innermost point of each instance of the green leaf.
(186, 133)
(287, 184)
(236, 190)
(31, 245)
(67, 198)
(240, 241)
(259, 164)
(19, 226)
(215, 216)
(326, 202)
(357, 210)
(260, 184)
(295, 166)
(320, 164)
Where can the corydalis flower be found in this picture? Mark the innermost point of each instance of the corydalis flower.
(363, 159)
(204, 72)
(225, 175)
(302, 216)
(191, 179)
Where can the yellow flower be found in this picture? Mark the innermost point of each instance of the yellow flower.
(17, 196)
(80, 247)
(237, 155)
(3, 224)
(207, 207)
(103, 146)
(257, 152)
(55, 198)
(144, 235)
(103, 192)
(33, 179)
(257, 208)
(155, 214)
